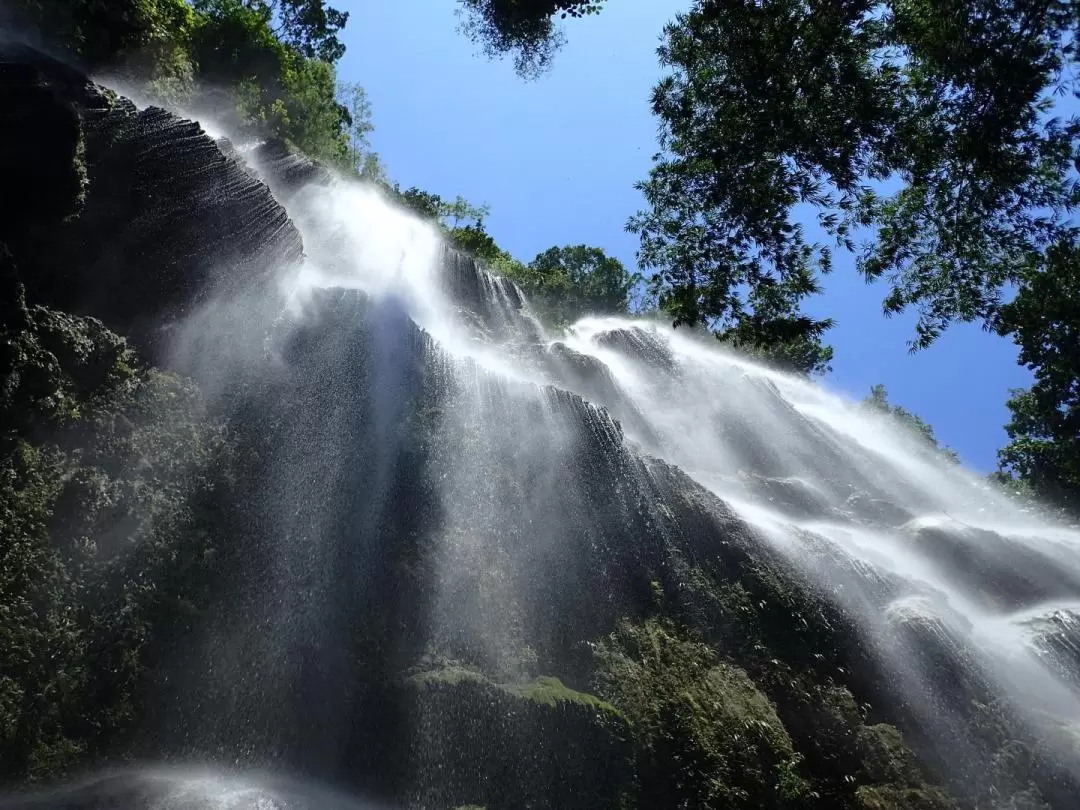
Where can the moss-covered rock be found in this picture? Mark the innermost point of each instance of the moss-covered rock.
(537, 744)
(705, 735)
(903, 798)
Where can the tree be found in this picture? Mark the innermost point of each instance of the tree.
(803, 354)
(277, 90)
(309, 26)
(878, 401)
(566, 283)
(361, 157)
(525, 28)
(450, 214)
(1044, 432)
(775, 105)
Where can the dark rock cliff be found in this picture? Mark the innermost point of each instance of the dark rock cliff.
(131, 215)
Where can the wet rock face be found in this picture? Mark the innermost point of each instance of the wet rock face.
(495, 302)
(565, 749)
(286, 171)
(591, 378)
(166, 218)
(1056, 639)
(640, 345)
(998, 571)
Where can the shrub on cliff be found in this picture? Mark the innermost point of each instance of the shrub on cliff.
(706, 736)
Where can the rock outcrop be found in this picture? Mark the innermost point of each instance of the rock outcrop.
(153, 217)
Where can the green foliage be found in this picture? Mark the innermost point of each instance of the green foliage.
(278, 90)
(551, 691)
(450, 214)
(706, 736)
(1044, 432)
(525, 28)
(878, 401)
(776, 105)
(109, 33)
(98, 463)
(272, 59)
(565, 283)
(804, 354)
(892, 798)
(361, 157)
(308, 26)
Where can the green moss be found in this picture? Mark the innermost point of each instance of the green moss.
(550, 691)
(903, 798)
(564, 748)
(705, 735)
(446, 676)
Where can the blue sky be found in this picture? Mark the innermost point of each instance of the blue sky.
(556, 159)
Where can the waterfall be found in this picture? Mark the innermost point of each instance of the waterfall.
(436, 510)
(904, 539)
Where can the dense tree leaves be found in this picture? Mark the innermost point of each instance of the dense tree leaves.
(565, 283)
(450, 214)
(361, 157)
(101, 465)
(1044, 432)
(277, 89)
(802, 354)
(309, 26)
(525, 28)
(781, 105)
(105, 32)
(264, 65)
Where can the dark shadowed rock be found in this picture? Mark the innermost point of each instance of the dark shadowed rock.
(564, 749)
(167, 218)
(41, 146)
(285, 170)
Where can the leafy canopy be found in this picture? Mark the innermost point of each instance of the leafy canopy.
(1044, 432)
(524, 28)
(917, 131)
(309, 26)
(565, 283)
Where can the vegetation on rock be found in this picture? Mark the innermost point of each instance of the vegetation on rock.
(878, 401)
(102, 463)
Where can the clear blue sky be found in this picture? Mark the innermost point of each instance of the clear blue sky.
(556, 159)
